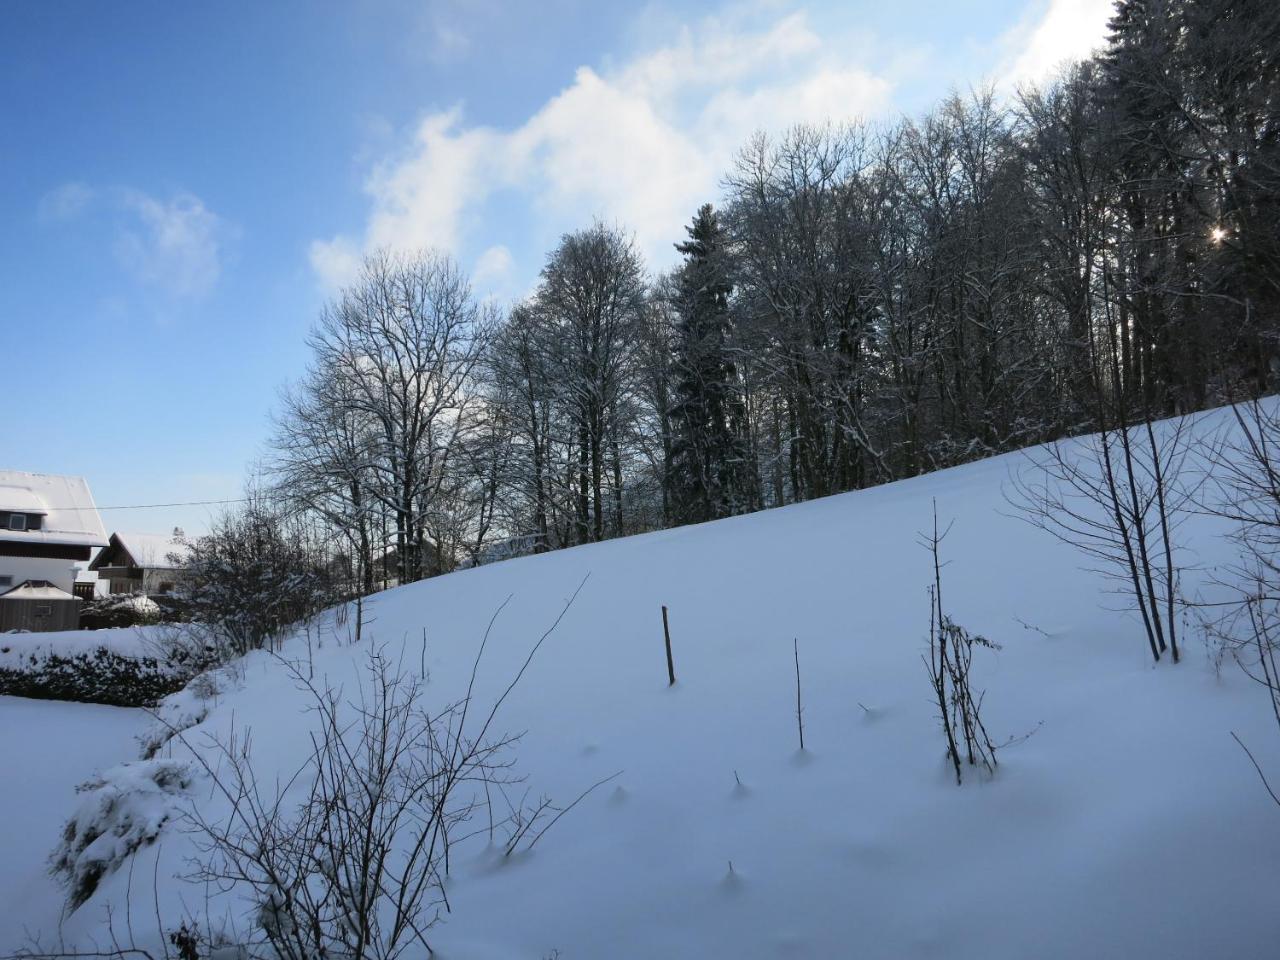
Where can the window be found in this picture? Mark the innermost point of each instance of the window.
(17, 521)
(6, 580)
(44, 610)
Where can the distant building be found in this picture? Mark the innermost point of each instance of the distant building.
(47, 524)
(88, 586)
(147, 563)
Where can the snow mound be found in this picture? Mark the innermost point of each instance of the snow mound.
(186, 708)
(122, 809)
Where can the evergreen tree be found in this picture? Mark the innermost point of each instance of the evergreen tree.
(710, 468)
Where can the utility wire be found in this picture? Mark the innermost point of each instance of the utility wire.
(150, 506)
(184, 503)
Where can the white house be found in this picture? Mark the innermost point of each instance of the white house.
(47, 523)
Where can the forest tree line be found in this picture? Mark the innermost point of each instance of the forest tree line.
(862, 304)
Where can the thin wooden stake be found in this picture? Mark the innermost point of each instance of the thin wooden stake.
(666, 632)
(799, 713)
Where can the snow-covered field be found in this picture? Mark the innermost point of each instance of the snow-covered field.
(46, 749)
(1128, 825)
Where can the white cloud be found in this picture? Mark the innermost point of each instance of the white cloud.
(65, 202)
(1055, 33)
(419, 197)
(493, 266)
(603, 149)
(641, 143)
(335, 261)
(824, 95)
(174, 245)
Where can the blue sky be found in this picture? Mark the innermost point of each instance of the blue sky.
(184, 184)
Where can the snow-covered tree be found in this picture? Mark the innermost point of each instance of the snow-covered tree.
(591, 302)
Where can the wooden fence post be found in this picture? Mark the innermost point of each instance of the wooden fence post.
(666, 632)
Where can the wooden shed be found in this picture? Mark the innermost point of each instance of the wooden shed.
(38, 606)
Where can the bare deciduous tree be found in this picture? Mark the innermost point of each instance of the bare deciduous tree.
(398, 349)
(591, 301)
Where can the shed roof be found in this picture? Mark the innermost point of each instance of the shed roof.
(36, 590)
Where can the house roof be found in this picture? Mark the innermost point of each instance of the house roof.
(150, 550)
(70, 515)
(36, 590)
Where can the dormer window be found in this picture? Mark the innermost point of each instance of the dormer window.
(20, 521)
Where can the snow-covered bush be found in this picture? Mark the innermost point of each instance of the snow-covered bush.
(98, 673)
(120, 610)
(195, 647)
(122, 809)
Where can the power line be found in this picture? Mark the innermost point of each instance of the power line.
(184, 503)
(152, 506)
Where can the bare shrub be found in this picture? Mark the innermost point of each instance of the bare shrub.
(255, 574)
(949, 662)
(1246, 470)
(1118, 496)
(357, 866)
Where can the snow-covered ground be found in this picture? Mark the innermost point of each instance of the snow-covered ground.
(46, 749)
(1128, 825)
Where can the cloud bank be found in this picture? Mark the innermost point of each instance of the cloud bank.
(641, 143)
(1058, 32)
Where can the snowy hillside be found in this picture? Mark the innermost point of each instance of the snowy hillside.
(1129, 824)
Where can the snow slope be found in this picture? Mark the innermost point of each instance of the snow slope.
(1128, 825)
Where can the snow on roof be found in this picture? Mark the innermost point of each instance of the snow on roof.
(152, 549)
(20, 499)
(70, 515)
(36, 590)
